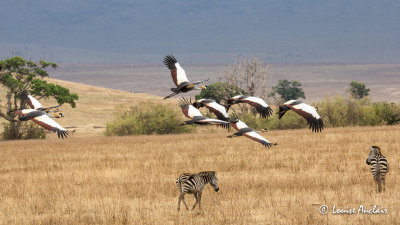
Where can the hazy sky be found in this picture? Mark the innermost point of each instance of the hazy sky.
(276, 30)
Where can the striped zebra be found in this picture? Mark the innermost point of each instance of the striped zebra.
(379, 166)
(182, 178)
(195, 184)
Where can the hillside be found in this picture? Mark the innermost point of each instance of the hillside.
(95, 106)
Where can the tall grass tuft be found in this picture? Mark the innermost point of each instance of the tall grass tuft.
(147, 118)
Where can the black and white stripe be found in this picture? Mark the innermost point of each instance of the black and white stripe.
(195, 184)
(379, 167)
(182, 178)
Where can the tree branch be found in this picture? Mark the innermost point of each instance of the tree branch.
(5, 117)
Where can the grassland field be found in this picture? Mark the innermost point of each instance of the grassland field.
(131, 180)
(93, 179)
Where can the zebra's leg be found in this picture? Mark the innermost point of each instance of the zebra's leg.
(184, 202)
(182, 196)
(197, 200)
(200, 200)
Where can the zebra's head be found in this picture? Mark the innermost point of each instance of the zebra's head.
(214, 183)
(375, 150)
(211, 178)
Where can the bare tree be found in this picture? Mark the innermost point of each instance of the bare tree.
(250, 75)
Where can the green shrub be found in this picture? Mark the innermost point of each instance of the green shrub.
(148, 118)
(339, 112)
(28, 130)
(388, 113)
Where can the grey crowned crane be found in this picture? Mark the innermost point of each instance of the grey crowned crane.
(41, 118)
(244, 130)
(260, 105)
(35, 104)
(196, 117)
(179, 77)
(214, 107)
(306, 111)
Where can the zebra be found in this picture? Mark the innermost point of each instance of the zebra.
(195, 184)
(182, 178)
(379, 166)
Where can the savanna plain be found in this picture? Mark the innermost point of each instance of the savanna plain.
(93, 179)
(131, 180)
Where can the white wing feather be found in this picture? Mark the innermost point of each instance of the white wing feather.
(241, 125)
(36, 104)
(307, 108)
(47, 120)
(192, 112)
(258, 101)
(218, 107)
(257, 136)
(180, 74)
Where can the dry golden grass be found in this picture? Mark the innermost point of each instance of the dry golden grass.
(131, 180)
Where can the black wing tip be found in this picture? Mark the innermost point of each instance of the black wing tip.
(280, 114)
(265, 112)
(63, 133)
(227, 107)
(316, 125)
(197, 105)
(185, 101)
(169, 61)
(282, 110)
(225, 125)
(268, 144)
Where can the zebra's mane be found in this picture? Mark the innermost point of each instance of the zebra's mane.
(207, 173)
(377, 150)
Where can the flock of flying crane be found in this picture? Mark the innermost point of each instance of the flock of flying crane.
(42, 116)
(191, 109)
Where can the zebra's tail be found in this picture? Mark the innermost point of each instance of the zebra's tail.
(379, 182)
(379, 185)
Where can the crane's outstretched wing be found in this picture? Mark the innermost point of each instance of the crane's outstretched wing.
(33, 102)
(256, 137)
(177, 73)
(47, 123)
(310, 114)
(261, 106)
